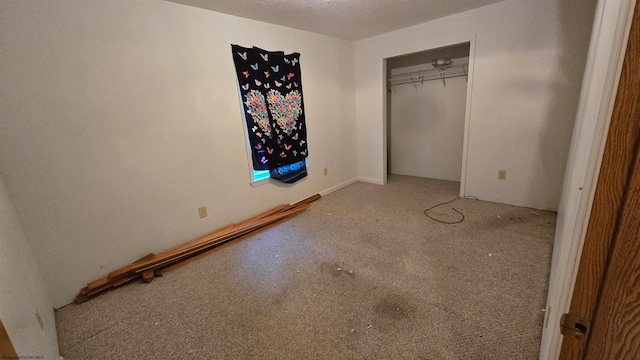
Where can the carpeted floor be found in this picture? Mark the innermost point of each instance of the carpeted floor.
(363, 274)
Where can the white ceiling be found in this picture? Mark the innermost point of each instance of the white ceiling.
(347, 19)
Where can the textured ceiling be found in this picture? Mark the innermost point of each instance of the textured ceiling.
(347, 19)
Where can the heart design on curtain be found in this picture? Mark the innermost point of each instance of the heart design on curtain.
(285, 109)
(258, 110)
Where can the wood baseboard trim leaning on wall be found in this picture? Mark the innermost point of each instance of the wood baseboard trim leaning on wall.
(154, 265)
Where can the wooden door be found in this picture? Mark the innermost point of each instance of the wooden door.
(6, 347)
(607, 291)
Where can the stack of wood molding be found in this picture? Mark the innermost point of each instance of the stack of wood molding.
(153, 265)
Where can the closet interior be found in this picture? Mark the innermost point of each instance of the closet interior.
(426, 104)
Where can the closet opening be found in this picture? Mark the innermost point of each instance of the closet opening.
(427, 107)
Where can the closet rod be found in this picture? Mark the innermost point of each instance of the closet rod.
(436, 73)
(418, 79)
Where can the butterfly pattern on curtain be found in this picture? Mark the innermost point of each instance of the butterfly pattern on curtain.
(271, 93)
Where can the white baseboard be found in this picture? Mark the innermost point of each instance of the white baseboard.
(338, 187)
(369, 180)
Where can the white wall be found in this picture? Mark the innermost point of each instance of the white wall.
(427, 126)
(529, 60)
(120, 118)
(23, 292)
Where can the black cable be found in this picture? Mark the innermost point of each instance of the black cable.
(454, 209)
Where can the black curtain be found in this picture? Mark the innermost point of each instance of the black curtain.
(271, 92)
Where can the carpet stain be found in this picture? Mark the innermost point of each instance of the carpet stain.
(330, 268)
(277, 300)
(336, 270)
(394, 307)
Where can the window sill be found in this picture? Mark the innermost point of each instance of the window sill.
(257, 183)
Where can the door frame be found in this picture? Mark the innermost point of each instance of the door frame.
(602, 73)
(467, 113)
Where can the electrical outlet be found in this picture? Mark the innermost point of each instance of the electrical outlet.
(202, 211)
(326, 171)
(502, 174)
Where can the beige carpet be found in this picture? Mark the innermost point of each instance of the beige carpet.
(363, 274)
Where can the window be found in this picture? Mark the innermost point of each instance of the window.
(271, 96)
(260, 175)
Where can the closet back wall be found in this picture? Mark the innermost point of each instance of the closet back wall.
(427, 126)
